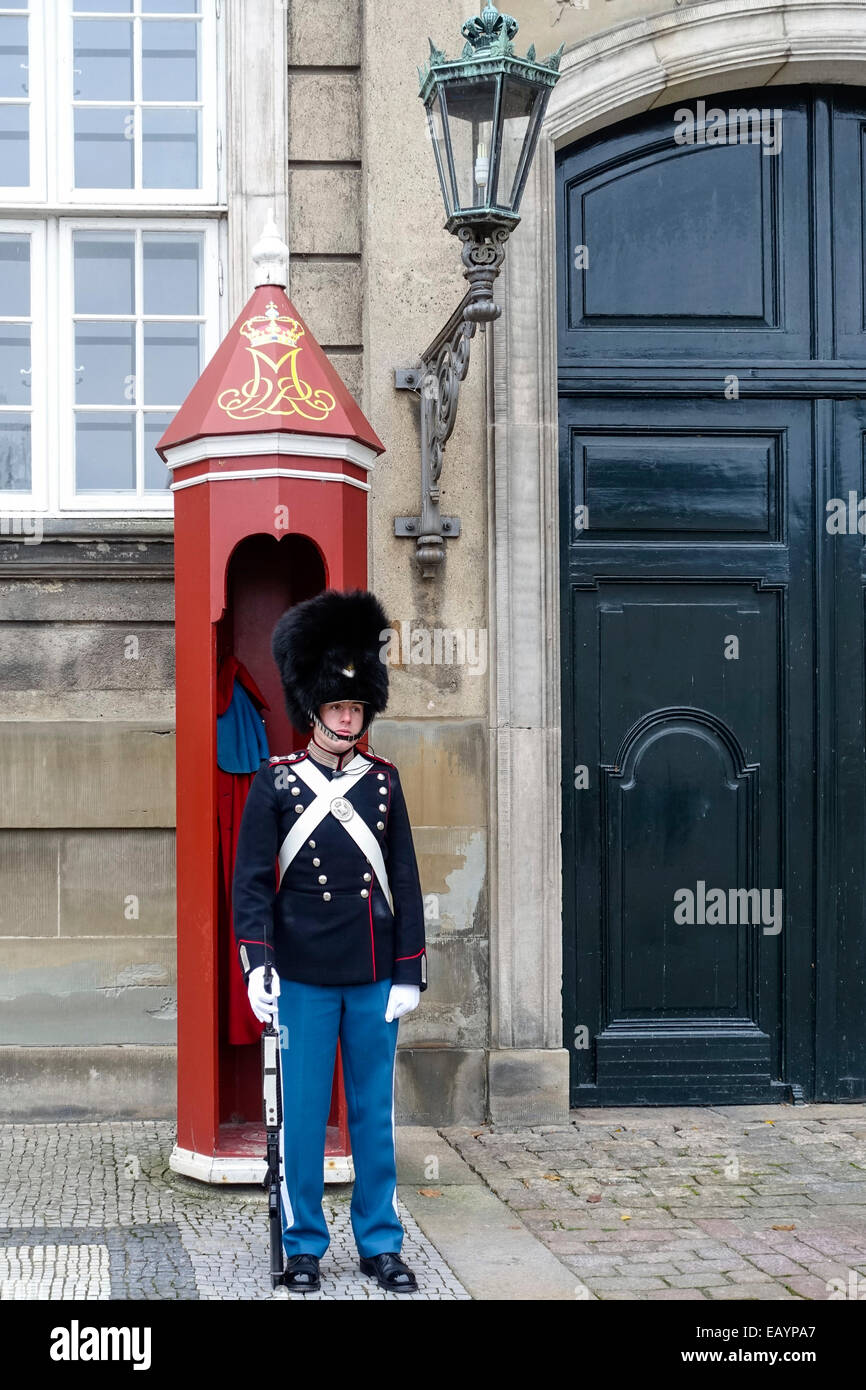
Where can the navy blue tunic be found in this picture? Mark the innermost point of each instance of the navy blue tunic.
(330, 922)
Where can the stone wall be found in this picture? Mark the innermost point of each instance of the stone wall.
(87, 908)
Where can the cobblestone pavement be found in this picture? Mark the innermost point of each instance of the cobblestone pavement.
(93, 1211)
(734, 1202)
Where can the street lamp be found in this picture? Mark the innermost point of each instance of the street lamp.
(484, 111)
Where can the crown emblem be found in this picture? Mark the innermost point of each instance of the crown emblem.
(272, 327)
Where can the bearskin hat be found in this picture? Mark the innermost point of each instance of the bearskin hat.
(328, 648)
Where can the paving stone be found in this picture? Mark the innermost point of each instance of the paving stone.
(691, 1295)
(720, 1266)
(662, 1167)
(566, 1243)
(763, 1292)
(100, 1233)
(749, 1275)
(623, 1283)
(776, 1264)
(808, 1286)
(707, 1280)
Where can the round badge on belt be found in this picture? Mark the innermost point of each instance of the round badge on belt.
(341, 808)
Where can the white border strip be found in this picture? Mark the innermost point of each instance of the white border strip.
(319, 446)
(240, 473)
(246, 1170)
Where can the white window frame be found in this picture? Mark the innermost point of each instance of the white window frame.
(63, 429)
(35, 191)
(206, 104)
(50, 210)
(22, 503)
(52, 165)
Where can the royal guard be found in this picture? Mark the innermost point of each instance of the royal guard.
(327, 881)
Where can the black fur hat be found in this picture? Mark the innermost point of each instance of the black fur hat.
(327, 649)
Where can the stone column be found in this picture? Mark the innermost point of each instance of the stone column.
(527, 1064)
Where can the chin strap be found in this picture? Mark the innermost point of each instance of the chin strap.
(344, 738)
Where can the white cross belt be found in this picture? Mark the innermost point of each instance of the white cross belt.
(342, 810)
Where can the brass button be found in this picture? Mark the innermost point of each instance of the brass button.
(316, 863)
(365, 892)
(327, 897)
(323, 878)
(312, 844)
(367, 878)
(382, 806)
(380, 825)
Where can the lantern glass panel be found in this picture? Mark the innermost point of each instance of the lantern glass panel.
(470, 110)
(521, 105)
(437, 136)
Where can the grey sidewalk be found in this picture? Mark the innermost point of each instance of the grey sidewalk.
(734, 1202)
(94, 1211)
(727, 1203)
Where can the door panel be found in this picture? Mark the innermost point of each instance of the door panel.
(692, 251)
(682, 611)
(842, 1011)
(849, 203)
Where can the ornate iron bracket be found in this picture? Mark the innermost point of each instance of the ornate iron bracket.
(436, 380)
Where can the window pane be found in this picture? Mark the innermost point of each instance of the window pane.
(171, 361)
(157, 478)
(437, 135)
(104, 274)
(15, 452)
(14, 355)
(169, 65)
(102, 68)
(13, 57)
(469, 106)
(518, 99)
(104, 453)
(170, 7)
(104, 363)
(103, 148)
(14, 147)
(171, 274)
(14, 275)
(104, 6)
(170, 149)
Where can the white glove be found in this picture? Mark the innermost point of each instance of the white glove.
(402, 1000)
(263, 1005)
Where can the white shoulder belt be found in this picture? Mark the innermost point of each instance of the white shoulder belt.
(327, 800)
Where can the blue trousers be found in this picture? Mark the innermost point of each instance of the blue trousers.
(312, 1017)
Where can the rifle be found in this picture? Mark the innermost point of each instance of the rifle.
(273, 1116)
